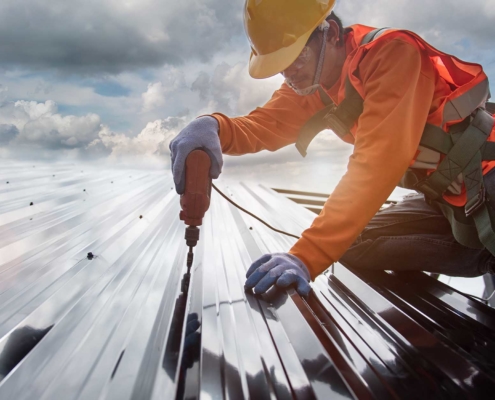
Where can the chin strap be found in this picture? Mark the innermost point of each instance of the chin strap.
(314, 87)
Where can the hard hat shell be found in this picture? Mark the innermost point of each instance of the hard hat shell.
(278, 31)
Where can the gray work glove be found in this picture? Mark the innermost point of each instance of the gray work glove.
(202, 133)
(280, 269)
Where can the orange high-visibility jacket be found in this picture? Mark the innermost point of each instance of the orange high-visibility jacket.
(404, 83)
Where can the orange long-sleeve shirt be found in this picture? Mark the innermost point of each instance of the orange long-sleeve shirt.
(401, 88)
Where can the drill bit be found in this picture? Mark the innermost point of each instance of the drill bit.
(190, 257)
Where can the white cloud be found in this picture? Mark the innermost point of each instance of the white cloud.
(154, 97)
(231, 90)
(151, 143)
(38, 130)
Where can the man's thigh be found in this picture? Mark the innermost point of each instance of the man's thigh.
(412, 235)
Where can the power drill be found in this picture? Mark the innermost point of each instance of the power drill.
(194, 202)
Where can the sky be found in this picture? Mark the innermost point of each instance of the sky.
(114, 81)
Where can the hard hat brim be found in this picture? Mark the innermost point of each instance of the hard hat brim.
(264, 66)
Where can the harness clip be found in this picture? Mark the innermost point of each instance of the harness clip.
(335, 124)
(476, 202)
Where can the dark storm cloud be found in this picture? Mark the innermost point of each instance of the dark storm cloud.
(82, 36)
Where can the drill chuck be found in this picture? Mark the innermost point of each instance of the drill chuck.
(192, 236)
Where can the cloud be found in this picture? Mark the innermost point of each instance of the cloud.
(442, 22)
(154, 97)
(152, 142)
(230, 89)
(38, 130)
(113, 36)
(7, 133)
(3, 92)
(29, 129)
(202, 85)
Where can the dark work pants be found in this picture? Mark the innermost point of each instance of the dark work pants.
(412, 235)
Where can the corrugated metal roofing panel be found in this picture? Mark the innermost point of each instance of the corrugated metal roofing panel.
(114, 324)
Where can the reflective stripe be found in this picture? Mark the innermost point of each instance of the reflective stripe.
(462, 106)
(374, 34)
(426, 159)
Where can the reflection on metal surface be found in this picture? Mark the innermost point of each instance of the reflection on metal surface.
(92, 306)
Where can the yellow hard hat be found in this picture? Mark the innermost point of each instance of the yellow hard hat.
(278, 31)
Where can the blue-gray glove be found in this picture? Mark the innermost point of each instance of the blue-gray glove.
(202, 133)
(281, 269)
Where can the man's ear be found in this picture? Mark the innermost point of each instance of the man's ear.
(333, 33)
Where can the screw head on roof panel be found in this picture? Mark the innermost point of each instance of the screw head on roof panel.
(140, 217)
(90, 256)
(7, 182)
(31, 204)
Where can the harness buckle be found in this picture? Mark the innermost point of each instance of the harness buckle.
(334, 123)
(476, 202)
(424, 187)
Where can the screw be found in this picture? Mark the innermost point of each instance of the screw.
(90, 256)
(250, 228)
(7, 182)
(31, 204)
(140, 217)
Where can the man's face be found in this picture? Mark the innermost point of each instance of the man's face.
(301, 73)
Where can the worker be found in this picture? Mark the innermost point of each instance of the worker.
(415, 115)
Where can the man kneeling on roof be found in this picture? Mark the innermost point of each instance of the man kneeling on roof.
(416, 117)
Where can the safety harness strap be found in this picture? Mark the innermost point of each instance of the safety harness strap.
(476, 206)
(339, 119)
(311, 128)
(437, 139)
(463, 229)
(459, 156)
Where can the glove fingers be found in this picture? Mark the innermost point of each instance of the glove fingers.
(216, 164)
(265, 283)
(179, 170)
(257, 263)
(289, 278)
(260, 273)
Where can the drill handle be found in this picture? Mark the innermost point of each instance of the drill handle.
(196, 198)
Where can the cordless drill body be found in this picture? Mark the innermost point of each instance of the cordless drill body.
(195, 201)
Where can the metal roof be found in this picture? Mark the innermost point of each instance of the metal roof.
(112, 325)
